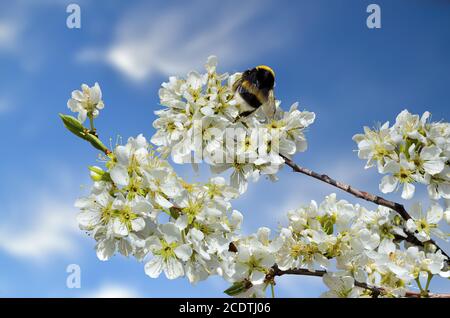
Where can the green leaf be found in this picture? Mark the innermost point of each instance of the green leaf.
(96, 143)
(236, 288)
(75, 127)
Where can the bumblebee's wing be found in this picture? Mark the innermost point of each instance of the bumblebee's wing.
(269, 108)
(237, 83)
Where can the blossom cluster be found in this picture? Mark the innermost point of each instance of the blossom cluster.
(139, 207)
(413, 150)
(202, 121)
(353, 245)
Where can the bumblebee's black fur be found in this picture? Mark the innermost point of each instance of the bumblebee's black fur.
(255, 85)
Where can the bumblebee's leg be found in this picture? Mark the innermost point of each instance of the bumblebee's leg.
(244, 115)
(247, 113)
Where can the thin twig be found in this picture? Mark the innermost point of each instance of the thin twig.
(411, 294)
(399, 208)
(376, 291)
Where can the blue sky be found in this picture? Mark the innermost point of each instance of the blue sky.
(324, 56)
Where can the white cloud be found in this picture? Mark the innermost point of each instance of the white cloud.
(21, 33)
(52, 230)
(113, 290)
(9, 33)
(152, 41)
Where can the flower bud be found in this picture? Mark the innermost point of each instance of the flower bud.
(96, 173)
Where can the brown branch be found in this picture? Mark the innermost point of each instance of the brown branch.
(411, 294)
(399, 208)
(376, 291)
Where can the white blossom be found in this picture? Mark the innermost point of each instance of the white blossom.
(87, 102)
(413, 150)
(202, 109)
(340, 286)
(139, 207)
(426, 223)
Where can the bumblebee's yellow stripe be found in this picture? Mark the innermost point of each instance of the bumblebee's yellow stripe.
(267, 68)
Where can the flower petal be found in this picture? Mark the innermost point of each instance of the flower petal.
(408, 191)
(154, 267)
(388, 184)
(183, 252)
(119, 175)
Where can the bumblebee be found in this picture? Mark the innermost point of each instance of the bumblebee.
(255, 89)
